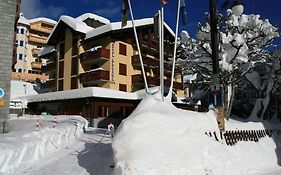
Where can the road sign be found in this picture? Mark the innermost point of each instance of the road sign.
(1, 93)
(2, 102)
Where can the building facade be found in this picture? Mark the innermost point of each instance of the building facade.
(31, 37)
(89, 51)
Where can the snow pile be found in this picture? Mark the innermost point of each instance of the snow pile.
(159, 139)
(25, 144)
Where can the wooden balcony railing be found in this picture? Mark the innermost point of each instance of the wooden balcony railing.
(35, 52)
(94, 76)
(36, 65)
(28, 76)
(95, 56)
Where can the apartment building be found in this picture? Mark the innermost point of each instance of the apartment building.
(31, 37)
(90, 51)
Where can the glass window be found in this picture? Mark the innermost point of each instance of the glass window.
(123, 87)
(20, 56)
(21, 43)
(122, 69)
(22, 31)
(122, 49)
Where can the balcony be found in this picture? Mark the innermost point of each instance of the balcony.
(49, 85)
(154, 47)
(148, 62)
(35, 52)
(51, 66)
(93, 77)
(154, 81)
(36, 65)
(95, 56)
(28, 76)
(41, 29)
(37, 39)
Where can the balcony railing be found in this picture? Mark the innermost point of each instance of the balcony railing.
(37, 39)
(49, 85)
(28, 76)
(95, 56)
(149, 62)
(94, 76)
(35, 52)
(168, 48)
(36, 65)
(49, 67)
(41, 29)
(154, 81)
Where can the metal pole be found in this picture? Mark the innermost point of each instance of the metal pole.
(160, 48)
(214, 36)
(138, 47)
(174, 54)
(162, 55)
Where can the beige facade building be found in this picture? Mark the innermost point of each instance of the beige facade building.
(31, 37)
(90, 51)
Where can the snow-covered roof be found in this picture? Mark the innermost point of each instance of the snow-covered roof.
(23, 20)
(74, 23)
(82, 93)
(93, 16)
(42, 19)
(46, 50)
(117, 26)
(21, 88)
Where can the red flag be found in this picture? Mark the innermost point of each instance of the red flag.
(164, 2)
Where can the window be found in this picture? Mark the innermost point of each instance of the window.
(22, 31)
(74, 66)
(122, 69)
(17, 42)
(74, 83)
(103, 111)
(20, 56)
(61, 51)
(75, 47)
(60, 85)
(61, 70)
(19, 70)
(123, 87)
(21, 43)
(122, 49)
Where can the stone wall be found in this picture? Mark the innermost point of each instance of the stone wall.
(7, 21)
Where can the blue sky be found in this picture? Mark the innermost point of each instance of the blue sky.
(144, 8)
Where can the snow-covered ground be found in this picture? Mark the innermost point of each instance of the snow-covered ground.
(65, 149)
(157, 139)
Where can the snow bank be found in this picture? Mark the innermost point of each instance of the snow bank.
(24, 145)
(159, 139)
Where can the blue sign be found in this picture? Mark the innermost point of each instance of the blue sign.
(215, 98)
(1, 93)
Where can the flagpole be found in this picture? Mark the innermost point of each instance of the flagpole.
(138, 47)
(174, 54)
(162, 54)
